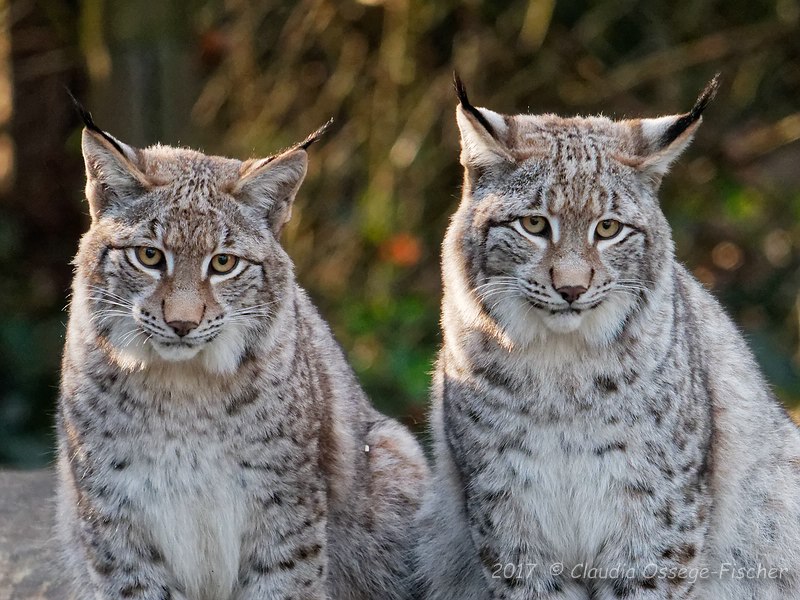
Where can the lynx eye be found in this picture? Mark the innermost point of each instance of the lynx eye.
(150, 257)
(535, 225)
(608, 229)
(223, 263)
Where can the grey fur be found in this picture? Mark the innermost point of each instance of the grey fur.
(630, 429)
(242, 460)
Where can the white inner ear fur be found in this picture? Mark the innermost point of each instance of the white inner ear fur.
(658, 163)
(104, 163)
(265, 182)
(478, 147)
(496, 120)
(127, 150)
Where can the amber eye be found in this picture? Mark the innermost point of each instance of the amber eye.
(150, 257)
(535, 225)
(608, 229)
(223, 263)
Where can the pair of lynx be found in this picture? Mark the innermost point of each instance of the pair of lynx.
(601, 430)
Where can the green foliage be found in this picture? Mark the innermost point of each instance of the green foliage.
(392, 346)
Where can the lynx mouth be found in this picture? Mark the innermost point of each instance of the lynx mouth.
(575, 310)
(180, 344)
(176, 351)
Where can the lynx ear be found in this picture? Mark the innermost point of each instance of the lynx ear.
(665, 138)
(113, 173)
(482, 132)
(270, 184)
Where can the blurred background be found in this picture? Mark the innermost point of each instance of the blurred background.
(246, 78)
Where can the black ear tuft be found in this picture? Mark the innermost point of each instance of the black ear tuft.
(315, 136)
(684, 122)
(88, 121)
(461, 92)
(705, 97)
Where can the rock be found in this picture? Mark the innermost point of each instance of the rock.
(29, 568)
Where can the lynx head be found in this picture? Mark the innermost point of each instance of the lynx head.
(182, 261)
(559, 231)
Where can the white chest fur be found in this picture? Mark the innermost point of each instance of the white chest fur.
(194, 511)
(567, 497)
(575, 499)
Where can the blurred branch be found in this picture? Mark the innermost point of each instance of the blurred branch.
(659, 65)
(762, 140)
(536, 23)
(44, 64)
(6, 100)
(95, 51)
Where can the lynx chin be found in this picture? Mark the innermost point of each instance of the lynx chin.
(593, 405)
(211, 434)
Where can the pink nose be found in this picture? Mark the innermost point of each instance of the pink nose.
(182, 328)
(570, 293)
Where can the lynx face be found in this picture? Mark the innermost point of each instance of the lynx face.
(559, 230)
(569, 236)
(182, 262)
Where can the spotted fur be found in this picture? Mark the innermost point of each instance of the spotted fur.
(594, 408)
(213, 442)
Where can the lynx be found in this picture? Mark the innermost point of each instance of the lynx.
(213, 442)
(601, 429)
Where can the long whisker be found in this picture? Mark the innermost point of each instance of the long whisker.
(256, 309)
(109, 312)
(496, 285)
(135, 338)
(240, 313)
(130, 335)
(110, 302)
(494, 281)
(633, 287)
(105, 292)
(498, 288)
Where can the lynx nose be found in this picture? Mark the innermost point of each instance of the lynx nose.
(570, 293)
(182, 328)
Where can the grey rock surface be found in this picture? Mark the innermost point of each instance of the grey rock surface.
(29, 569)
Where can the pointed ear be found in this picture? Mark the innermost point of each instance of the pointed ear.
(482, 132)
(664, 139)
(113, 172)
(270, 184)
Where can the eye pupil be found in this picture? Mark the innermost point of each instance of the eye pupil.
(534, 225)
(608, 228)
(149, 256)
(223, 263)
